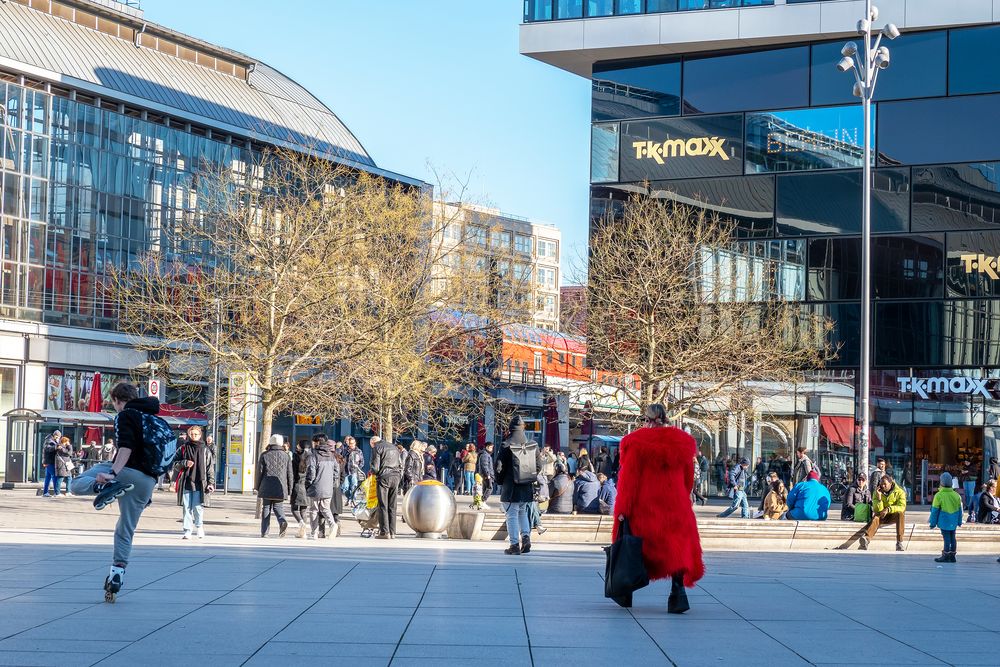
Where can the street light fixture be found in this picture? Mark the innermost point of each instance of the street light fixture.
(866, 65)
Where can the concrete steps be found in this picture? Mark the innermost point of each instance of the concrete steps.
(739, 534)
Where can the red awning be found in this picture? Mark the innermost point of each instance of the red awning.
(838, 430)
(167, 410)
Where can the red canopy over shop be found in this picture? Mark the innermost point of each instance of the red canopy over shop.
(838, 430)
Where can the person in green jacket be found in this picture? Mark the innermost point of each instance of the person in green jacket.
(888, 506)
(946, 514)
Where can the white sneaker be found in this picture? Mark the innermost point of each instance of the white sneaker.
(186, 535)
(758, 514)
(311, 536)
(201, 532)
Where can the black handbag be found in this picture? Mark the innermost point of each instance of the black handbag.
(625, 570)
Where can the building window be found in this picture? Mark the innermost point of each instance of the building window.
(600, 7)
(548, 303)
(569, 9)
(774, 79)
(538, 361)
(546, 277)
(500, 240)
(635, 91)
(936, 131)
(972, 57)
(522, 244)
(548, 249)
(604, 150)
(478, 236)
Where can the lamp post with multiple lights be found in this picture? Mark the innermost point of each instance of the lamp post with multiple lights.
(865, 64)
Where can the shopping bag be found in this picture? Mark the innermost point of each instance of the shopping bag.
(371, 491)
(625, 570)
(862, 513)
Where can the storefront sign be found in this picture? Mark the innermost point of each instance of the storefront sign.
(804, 139)
(925, 387)
(981, 264)
(688, 147)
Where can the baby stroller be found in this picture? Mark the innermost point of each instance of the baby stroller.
(367, 516)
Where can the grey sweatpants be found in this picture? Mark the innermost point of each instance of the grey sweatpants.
(130, 506)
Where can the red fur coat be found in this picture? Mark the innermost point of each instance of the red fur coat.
(654, 492)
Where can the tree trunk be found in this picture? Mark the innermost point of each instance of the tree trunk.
(387, 425)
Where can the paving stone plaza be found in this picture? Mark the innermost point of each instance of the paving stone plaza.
(235, 599)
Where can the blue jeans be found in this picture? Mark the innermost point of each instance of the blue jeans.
(950, 543)
(349, 486)
(970, 494)
(517, 521)
(192, 507)
(470, 481)
(60, 481)
(50, 478)
(739, 500)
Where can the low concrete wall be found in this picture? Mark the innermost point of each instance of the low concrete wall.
(739, 534)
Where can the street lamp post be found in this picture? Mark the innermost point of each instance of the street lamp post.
(865, 64)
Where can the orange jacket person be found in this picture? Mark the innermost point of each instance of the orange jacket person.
(654, 493)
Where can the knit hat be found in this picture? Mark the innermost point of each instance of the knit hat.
(813, 475)
(276, 440)
(946, 480)
(744, 461)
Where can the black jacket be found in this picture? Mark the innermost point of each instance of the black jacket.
(987, 505)
(511, 492)
(385, 459)
(484, 465)
(274, 474)
(300, 463)
(855, 495)
(323, 473)
(128, 430)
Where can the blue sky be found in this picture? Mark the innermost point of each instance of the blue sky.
(426, 85)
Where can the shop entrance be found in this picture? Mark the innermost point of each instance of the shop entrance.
(944, 449)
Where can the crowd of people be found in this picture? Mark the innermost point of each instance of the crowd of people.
(62, 461)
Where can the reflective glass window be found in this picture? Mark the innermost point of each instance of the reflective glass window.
(685, 5)
(845, 333)
(834, 269)
(918, 70)
(991, 342)
(569, 9)
(908, 267)
(661, 6)
(953, 129)
(697, 146)
(747, 200)
(600, 7)
(891, 200)
(803, 139)
(629, 7)
(652, 89)
(972, 58)
(822, 203)
(929, 333)
(772, 79)
(972, 264)
(956, 197)
(604, 153)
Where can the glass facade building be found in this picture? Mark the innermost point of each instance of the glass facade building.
(108, 126)
(786, 166)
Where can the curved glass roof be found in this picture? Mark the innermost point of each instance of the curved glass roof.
(267, 106)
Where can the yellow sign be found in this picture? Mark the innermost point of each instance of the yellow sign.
(983, 264)
(308, 420)
(707, 146)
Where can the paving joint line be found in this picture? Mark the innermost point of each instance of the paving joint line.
(315, 602)
(865, 625)
(524, 617)
(413, 615)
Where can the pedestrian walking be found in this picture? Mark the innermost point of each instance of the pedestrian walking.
(273, 482)
(354, 467)
(803, 466)
(456, 470)
(888, 507)
(969, 484)
(322, 482)
(946, 516)
(654, 488)
(49, 462)
(145, 442)
(487, 470)
(299, 499)
(696, 489)
(195, 481)
(880, 469)
(516, 474)
(414, 469)
(64, 464)
(739, 476)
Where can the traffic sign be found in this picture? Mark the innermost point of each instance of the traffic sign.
(153, 387)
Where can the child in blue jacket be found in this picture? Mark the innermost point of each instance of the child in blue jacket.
(946, 514)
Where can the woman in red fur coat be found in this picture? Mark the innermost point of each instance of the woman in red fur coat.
(654, 494)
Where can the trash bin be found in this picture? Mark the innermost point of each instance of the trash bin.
(15, 468)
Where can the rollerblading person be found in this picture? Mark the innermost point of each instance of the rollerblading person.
(146, 447)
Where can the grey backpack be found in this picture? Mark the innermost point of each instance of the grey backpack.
(524, 462)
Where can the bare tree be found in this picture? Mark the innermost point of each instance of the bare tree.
(319, 282)
(681, 312)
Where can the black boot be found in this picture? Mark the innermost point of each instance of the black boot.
(951, 557)
(945, 557)
(526, 544)
(513, 550)
(677, 603)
